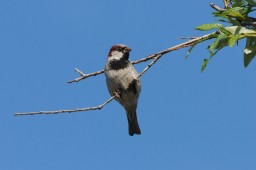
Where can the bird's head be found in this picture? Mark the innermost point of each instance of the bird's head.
(119, 52)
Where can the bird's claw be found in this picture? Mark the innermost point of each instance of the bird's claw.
(117, 93)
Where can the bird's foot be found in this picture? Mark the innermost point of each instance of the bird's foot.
(117, 93)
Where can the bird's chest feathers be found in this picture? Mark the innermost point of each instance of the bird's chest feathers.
(122, 78)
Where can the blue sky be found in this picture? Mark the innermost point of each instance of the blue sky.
(189, 120)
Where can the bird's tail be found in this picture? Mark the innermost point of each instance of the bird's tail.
(133, 124)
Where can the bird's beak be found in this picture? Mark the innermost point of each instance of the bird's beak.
(127, 50)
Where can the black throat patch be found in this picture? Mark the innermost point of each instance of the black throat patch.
(120, 64)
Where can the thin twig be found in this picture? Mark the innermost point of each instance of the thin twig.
(182, 38)
(217, 8)
(84, 76)
(79, 72)
(68, 111)
(150, 57)
(148, 66)
(155, 58)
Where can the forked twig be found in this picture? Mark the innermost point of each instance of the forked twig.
(150, 57)
(84, 76)
(155, 58)
(149, 65)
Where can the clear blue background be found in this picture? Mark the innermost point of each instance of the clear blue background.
(189, 120)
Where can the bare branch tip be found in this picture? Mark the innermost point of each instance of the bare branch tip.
(67, 111)
(182, 38)
(217, 8)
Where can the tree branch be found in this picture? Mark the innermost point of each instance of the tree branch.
(252, 21)
(184, 38)
(150, 57)
(217, 8)
(148, 66)
(68, 111)
(84, 76)
(155, 58)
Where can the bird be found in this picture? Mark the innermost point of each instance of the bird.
(122, 80)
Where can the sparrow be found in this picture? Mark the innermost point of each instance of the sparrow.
(122, 80)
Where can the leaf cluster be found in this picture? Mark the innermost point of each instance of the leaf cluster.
(240, 26)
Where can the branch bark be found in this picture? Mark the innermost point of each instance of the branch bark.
(150, 65)
(149, 57)
(68, 111)
(155, 58)
(217, 8)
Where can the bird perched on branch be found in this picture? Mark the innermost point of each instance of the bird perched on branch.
(122, 80)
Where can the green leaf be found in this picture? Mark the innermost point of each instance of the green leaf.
(205, 62)
(249, 50)
(218, 42)
(207, 27)
(238, 4)
(213, 35)
(251, 2)
(234, 22)
(222, 43)
(224, 31)
(236, 9)
(235, 12)
(233, 40)
(189, 50)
